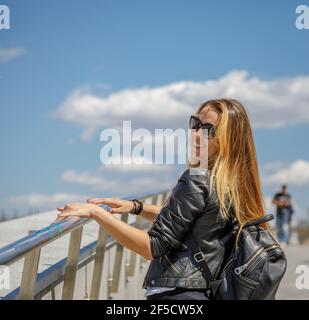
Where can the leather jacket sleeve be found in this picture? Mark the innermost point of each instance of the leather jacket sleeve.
(185, 204)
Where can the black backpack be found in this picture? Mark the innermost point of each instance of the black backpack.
(252, 271)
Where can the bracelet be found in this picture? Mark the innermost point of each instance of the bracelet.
(137, 209)
(134, 207)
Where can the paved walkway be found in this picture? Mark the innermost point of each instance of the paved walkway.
(296, 255)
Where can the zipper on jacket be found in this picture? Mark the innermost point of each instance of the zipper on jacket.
(246, 265)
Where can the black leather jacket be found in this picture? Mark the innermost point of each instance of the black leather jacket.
(190, 211)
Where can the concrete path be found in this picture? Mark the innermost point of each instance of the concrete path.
(296, 255)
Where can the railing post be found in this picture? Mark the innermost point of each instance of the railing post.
(154, 199)
(71, 266)
(164, 197)
(29, 276)
(130, 267)
(98, 265)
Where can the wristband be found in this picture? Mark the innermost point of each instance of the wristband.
(138, 207)
(134, 207)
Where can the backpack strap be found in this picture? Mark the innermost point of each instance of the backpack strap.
(199, 258)
(261, 220)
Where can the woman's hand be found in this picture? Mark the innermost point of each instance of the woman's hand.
(117, 205)
(132, 238)
(82, 210)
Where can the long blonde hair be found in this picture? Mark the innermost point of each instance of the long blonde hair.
(234, 168)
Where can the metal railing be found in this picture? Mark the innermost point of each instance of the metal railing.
(34, 285)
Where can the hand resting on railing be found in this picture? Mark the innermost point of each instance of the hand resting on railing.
(130, 237)
(150, 211)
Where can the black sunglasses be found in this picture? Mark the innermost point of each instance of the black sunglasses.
(195, 124)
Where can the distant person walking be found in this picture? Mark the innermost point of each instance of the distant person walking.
(283, 201)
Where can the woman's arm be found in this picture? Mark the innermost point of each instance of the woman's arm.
(128, 236)
(150, 211)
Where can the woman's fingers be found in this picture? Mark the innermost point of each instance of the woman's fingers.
(119, 210)
(66, 214)
(111, 202)
(95, 201)
(59, 218)
(66, 208)
(75, 209)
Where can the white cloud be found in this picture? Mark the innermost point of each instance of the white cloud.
(46, 200)
(115, 179)
(139, 167)
(85, 178)
(297, 173)
(271, 103)
(270, 167)
(7, 54)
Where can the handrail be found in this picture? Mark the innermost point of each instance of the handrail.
(35, 285)
(18, 249)
(46, 278)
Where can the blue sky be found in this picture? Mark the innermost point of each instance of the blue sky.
(59, 52)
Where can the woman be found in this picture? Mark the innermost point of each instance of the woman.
(200, 207)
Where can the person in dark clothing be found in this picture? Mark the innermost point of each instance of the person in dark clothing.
(283, 201)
